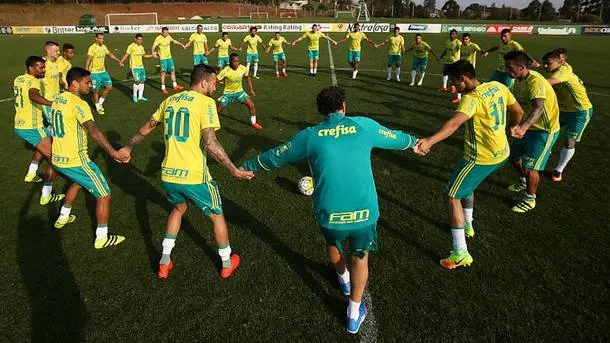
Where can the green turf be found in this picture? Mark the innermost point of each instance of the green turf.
(536, 277)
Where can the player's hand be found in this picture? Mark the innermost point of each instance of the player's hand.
(535, 64)
(242, 174)
(122, 156)
(422, 147)
(485, 54)
(517, 131)
(252, 93)
(336, 43)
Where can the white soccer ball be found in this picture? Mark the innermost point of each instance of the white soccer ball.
(306, 185)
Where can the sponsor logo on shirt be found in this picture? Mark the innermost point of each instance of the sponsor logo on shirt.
(338, 131)
(388, 134)
(175, 172)
(349, 217)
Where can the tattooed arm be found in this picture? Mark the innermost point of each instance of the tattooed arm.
(213, 147)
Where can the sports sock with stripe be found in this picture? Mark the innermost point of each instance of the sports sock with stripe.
(101, 232)
(169, 241)
(224, 251)
(459, 239)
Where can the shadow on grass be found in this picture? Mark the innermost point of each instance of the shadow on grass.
(58, 313)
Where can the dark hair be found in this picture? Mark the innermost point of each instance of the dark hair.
(314, 25)
(253, 28)
(200, 72)
(164, 28)
(396, 28)
(277, 32)
(452, 31)
(224, 34)
(200, 26)
(48, 43)
(461, 68)
(76, 74)
(555, 54)
(30, 61)
(68, 46)
(356, 24)
(519, 57)
(418, 35)
(139, 35)
(98, 34)
(330, 99)
(505, 31)
(562, 51)
(466, 34)
(233, 54)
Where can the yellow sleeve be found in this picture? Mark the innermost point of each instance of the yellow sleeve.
(476, 47)
(259, 39)
(283, 40)
(192, 38)
(510, 98)
(210, 116)
(34, 83)
(158, 115)
(106, 51)
(246, 39)
(364, 36)
(222, 74)
(305, 35)
(537, 89)
(270, 41)
(217, 44)
(468, 106)
(245, 70)
(561, 75)
(517, 46)
(90, 51)
(84, 113)
(229, 43)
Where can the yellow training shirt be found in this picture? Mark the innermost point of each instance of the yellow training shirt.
(64, 67)
(356, 40)
(485, 139)
(223, 47)
(50, 84)
(233, 78)
(98, 57)
(184, 116)
(164, 44)
(253, 43)
(571, 92)
(452, 50)
(535, 86)
(276, 44)
(504, 49)
(421, 49)
(69, 135)
(469, 52)
(314, 39)
(199, 41)
(28, 114)
(135, 52)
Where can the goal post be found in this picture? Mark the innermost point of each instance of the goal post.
(344, 14)
(259, 15)
(131, 18)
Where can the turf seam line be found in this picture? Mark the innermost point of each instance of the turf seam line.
(333, 75)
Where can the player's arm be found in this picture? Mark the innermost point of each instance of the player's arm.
(554, 81)
(268, 48)
(62, 84)
(122, 61)
(382, 43)
(102, 141)
(344, 39)
(188, 43)
(211, 50)
(206, 51)
(516, 113)
(136, 139)
(492, 49)
(154, 48)
(113, 57)
(35, 96)
(518, 131)
(177, 42)
(294, 150)
(330, 39)
(448, 128)
(249, 81)
(88, 62)
(213, 147)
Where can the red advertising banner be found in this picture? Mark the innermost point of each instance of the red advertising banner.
(495, 29)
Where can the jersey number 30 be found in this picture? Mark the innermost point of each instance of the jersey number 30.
(177, 124)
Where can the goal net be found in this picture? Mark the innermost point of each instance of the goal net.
(288, 14)
(344, 14)
(131, 18)
(259, 15)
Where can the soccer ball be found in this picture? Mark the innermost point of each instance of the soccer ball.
(306, 186)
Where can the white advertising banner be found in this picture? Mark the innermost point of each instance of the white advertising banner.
(157, 28)
(418, 27)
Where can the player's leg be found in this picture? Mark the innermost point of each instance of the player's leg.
(162, 78)
(248, 62)
(355, 64)
(32, 174)
(311, 61)
(468, 207)
(414, 67)
(575, 125)
(390, 62)
(44, 147)
(315, 62)
(174, 221)
(230, 261)
(423, 66)
(65, 216)
(247, 101)
(459, 255)
(276, 64)
(142, 78)
(284, 65)
(255, 60)
(397, 63)
(356, 309)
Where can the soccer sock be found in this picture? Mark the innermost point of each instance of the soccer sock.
(47, 189)
(169, 241)
(413, 74)
(253, 119)
(523, 180)
(564, 157)
(315, 70)
(101, 232)
(141, 90)
(353, 309)
(354, 73)
(421, 79)
(468, 215)
(311, 70)
(345, 276)
(64, 213)
(174, 84)
(224, 251)
(283, 70)
(530, 196)
(33, 167)
(445, 79)
(255, 69)
(135, 89)
(277, 72)
(459, 239)
(459, 96)
(248, 67)
(398, 73)
(163, 86)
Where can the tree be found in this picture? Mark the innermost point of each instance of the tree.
(531, 11)
(451, 9)
(430, 5)
(548, 12)
(569, 9)
(593, 7)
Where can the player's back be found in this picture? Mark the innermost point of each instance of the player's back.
(184, 116)
(28, 115)
(69, 112)
(571, 92)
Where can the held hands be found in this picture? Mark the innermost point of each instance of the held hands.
(122, 156)
(121, 64)
(517, 131)
(485, 54)
(422, 147)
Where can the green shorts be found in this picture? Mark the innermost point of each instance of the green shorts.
(32, 136)
(167, 65)
(46, 114)
(228, 98)
(467, 176)
(361, 240)
(200, 59)
(420, 63)
(534, 149)
(353, 56)
(394, 60)
(139, 74)
(502, 77)
(222, 62)
(252, 58)
(279, 56)
(89, 176)
(313, 55)
(101, 80)
(205, 195)
(575, 123)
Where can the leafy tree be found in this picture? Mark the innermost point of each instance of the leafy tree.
(451, 9)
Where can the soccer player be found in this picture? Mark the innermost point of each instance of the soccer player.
(313, 48)
(353, 55)
(29, 124)
(483, 113)
(189, 118)
(200, 46)
(451, 54)
(507, 44)
(72, 121)
(397, 47)
(278, 53)
(136, 52)
(52, 82)
(252, 40)
(538, 130)
(164, 41)
(233, 74)
(420, 59)
(223, 45)
(345, 199)
(468, 51)
(575, 109)
(95, 63)
(65, 62)
(563, 52)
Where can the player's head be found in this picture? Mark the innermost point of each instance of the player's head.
(466, 38)
(356, 27)
(79, 80)
(165, 31)
(460, 73)
(396, 31)
(51, 50)
(453, 34)
(199, 28)
(203, 79)
(517, 64)
(552, 61)
(139, 39)
(253, 30)
(564, 53)
(314, 27)
(68, 51)
(99, 38)
(35, 66)
(418, 38)
(277, 35)
(505, 36)
(234, 58)
(331, 100)
(225, 36)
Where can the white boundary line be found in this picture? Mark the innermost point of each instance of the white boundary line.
(333, 76)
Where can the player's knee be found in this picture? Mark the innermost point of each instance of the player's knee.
(180, 208)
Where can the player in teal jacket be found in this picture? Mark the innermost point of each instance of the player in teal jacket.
(345, 199)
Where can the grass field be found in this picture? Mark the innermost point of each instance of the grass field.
(536, 277)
